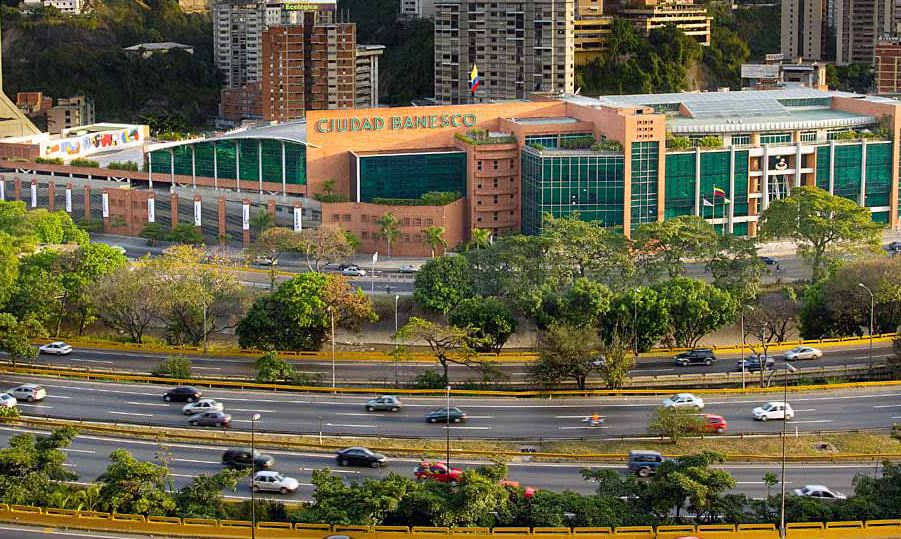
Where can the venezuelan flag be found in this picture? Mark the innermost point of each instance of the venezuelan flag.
(474, 79)
(717, 192)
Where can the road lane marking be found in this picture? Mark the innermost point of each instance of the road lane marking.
(480, 417)
(181, 475)
(88, 360)
(353, 426)
(573, 416)
(148, 404)
(130, 413)
(333, 471)
(469, 428)
(208, 368)
(70, 450)
(887, 406)
(811, 421)
(35, 405)
(584, 427)
(197, 461)
(368, 414)
(245, 410)
(807, 410)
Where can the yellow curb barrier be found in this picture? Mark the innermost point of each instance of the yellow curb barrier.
(232, 529)
(115, 377)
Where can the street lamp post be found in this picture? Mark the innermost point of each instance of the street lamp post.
(742, 346)
(396, 299)
(331, 312)
(253, 506)
(788, 369)
(872, 315)
(635, 323)
(447, 431)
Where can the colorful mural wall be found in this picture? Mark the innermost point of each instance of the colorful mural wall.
(89, 143)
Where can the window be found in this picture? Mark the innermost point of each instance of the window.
(775, 138)
(364, 218)
(428, 222)
(809, 136)
(346, 217)
(365, 235)
(336, 218)
(742, 139)
(478, 165)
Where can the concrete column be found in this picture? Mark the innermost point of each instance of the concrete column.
(150, 169)
(2, 187)
(68, 204)
(129, 213)
(172, 167)
(731, 188)
(298, 217)
(87, 202)
(51, 204)
(221, 220)
(173, 204)
(698, 181)
(862, 197)
(765, 179)
(260, 164)
(798, 163)
(18, 188)
(284, 172)
(215, 168)
(831, 167)
(270, 207)
(245, 232)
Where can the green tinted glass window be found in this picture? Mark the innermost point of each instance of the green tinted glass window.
(411, 175)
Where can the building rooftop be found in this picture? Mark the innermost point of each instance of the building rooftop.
(412, 151)
(289, 132)
(161, 46)
(792, 119)
(544, 121)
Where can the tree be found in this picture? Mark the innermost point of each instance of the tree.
(186, 233)
(37, 292)
(125, 300)
(674, 422)
(781, 309)
(489, 319)
(442, 283)
(735, 267)
(691, 478)
(324, 245)
(449, 344)
(584, 304)
(78, 272)
(770, 480)
(819, 223)
(272, 369)
(434, 239)
(639, 313)
(272, 243)
(687, 237)
(480, 238)
(390, 230)
(508, 269)
(16, 337)
(174, 367)
(565, 352)
(33, 467)
(203, 497)
(131, 486)
(154, 232)
(577, 248)
(695, 309)
(261, 221)
(618, 360)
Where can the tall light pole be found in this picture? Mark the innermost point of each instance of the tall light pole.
(751, 307)
(872, 315)
(447, 431)
(788, 368)
(253, 468)
(331, 312)
(635, 322)
(396, 299)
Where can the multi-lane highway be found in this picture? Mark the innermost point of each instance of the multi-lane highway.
(371, 371)
(16, 531)
(495, 418)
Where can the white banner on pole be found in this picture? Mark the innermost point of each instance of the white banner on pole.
(245, 217)
(375, 257)
(151, 210)
(197, 213)
(105, 205)
(3, 189)
(34, 195)
(298, 219)
(68, 200)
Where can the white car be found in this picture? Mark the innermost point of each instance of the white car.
(28, 392)
(684, 400)
(59, 348)
(803, 352)
(408, 268)
(118, 248)
(820, 492)
(8, 401)
(774, 410)
(203, 405)
(353, 271)
(274, 481)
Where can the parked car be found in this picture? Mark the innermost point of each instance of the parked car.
(408, 268)
(697, 356)
(59, 348)
(360, 456)
(774, 410)
(820, 492)
(446, 415)
(182, 394)
(203, 405)
(385, 402)
(8, 401)
(274, 482)
(265, 261)
(353, 271)
(527, 492)
(684, 400)
(803, 352)
(644, 463)
(437, 471)
(753, 363)
(769, 261)
(894, 246)
(28, 393)
(210, 419)
(713, 423)
(243, 457)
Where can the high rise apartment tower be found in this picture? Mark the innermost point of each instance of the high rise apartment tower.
(802, 29)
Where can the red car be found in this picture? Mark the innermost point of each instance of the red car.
(528, 492)
(438, 471)
(714, 423)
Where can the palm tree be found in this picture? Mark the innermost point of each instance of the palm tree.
(390, 230)
(480, 238)
(434, 239)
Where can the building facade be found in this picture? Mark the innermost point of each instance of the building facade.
(774, 75)
(888, 67)
(70, 7)
(367, 75)
(70, 112)
(802, 29)
(418, 8)
(518, 47)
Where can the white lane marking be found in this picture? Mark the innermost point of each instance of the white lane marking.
(181, 475)
(148, 403)
(79, 535)
(887, 406)
(245, 410)
(353, 426)
(573, 416)
(896, 417)
(584, 427)
(130, 413)
(88, 360)
(807, 410)
(757, 483)
(520, 373)
(480, 417)
(652, 370)
(811, 421)
(369, 414)
(208, 368)
(70, 450)
(36, 405)
(69, 464)
(469, 428)
(197, 461)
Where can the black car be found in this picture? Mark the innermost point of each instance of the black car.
(752, 364)
(243, 457)
(182, 394)
(698, 356)
(769, 261)
(446, 415)
(894, 246)
(360, 456)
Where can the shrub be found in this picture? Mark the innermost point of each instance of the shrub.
(49, 160)
(124, 165)
(430, 379)
(580, 143)
(173, 367)
(82, 162)
(539, 147)
(710, 141)
(9, 413)
(677, 143)
(91, 225)
(330, 197)
(607, 146)
(432, 198)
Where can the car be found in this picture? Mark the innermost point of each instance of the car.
(243, 457)
(696, 356)
(353, 271)
(527, 492)
(182, 394)
(265, 261)
(274, 482)
(769, 261)
(774, 410)
(820, 492)
(437, 471)
(446, 415)
(8, 401)
(598, 361)
(385, 402)
(118, 248)
(803, 352)
(28, 393)
(59, 348)
(753, 363)
(894, 246)
(713, 423)
(360, 456)
(684, 400)
(203, 405)
(210, 419)
(408, 268)
(644, 463)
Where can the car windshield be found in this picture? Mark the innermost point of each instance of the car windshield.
(279, 477)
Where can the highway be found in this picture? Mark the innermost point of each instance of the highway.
(15, 531)
(383, 372)
(488, 418)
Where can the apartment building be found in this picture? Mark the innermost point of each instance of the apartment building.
(418, 8)
(69, 7)
(70, 112)
(802, 28)
(888, 67)
(518, 46)
(367, 75)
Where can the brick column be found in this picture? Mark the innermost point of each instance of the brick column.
(129, 213)
(222, 240)
(18, 188)
(270, 207)
(50, 194)
(245, 233)
(87, 202)
(173, 204)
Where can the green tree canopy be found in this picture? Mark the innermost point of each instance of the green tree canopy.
(687, 237)
(442, 283)
(565, 352)
(135, 487)
(694, 309)
(491, 322)
(449, 344)
(638, 314)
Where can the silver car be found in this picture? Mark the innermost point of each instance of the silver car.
(803, 352)
(203, 405)
(385, 402)
(274, 481)
(210, 419)
(28, 392)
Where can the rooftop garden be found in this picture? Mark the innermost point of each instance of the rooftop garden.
(482, 136)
